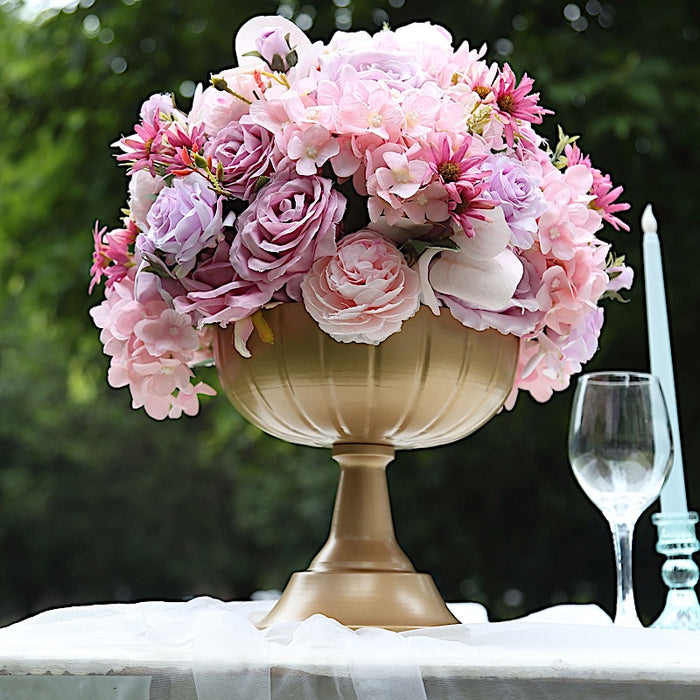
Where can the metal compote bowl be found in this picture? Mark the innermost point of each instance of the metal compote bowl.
(432, 383)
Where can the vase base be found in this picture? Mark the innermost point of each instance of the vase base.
(396, 601)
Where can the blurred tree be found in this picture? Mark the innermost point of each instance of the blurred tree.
(97, 502)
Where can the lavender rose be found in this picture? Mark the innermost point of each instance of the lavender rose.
(364, 292)
(185, 219)
(246, 152)
(519, 195)
(286, 228)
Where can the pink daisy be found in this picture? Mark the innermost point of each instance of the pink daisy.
(515, 103)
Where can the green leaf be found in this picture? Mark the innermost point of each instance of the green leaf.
(615, 296)
(420, 245)
(261, 182)
(200, 161)
(277, 63)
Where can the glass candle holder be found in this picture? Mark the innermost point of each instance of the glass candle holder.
(677, 542)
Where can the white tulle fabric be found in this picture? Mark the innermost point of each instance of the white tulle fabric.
(207, 649)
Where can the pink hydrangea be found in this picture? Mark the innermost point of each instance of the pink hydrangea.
(151, 346)
(364, 292)
(311, 148)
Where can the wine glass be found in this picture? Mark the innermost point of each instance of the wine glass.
(620, 448)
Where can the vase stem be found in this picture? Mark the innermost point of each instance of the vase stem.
(362, 529)
(361, 577)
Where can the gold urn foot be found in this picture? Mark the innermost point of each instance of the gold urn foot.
(361, 577)
(388, 599)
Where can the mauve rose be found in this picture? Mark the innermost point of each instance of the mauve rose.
(246, 151)
(288, 225)
(364, 292)
(248, 39)
(216, 294)
(184, 220)
(519, 195)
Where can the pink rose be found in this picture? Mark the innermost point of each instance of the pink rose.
(364, 292)
(291, 223)
(396, 69)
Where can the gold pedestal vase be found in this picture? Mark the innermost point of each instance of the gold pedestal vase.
(432, 383)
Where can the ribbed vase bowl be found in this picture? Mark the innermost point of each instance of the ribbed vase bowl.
(432, 383)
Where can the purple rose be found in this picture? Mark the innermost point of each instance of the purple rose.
(520, 197)
(246, 152)
(184, 220)
(290, 223)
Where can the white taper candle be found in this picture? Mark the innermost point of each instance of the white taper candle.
(673, 499)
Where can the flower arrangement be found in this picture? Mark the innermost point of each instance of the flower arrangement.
(362, 177)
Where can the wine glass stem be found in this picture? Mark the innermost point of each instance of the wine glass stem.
(625, 610)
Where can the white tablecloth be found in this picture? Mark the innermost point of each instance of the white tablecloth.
(207, 649)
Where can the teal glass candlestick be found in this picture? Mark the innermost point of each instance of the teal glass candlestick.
(677, 541)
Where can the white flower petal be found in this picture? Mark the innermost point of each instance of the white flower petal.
(490, 239)
(427, 292)
(485, 284)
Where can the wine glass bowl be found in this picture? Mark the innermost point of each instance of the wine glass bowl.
(621, 450)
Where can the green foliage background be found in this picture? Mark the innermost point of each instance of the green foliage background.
(100, 503)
